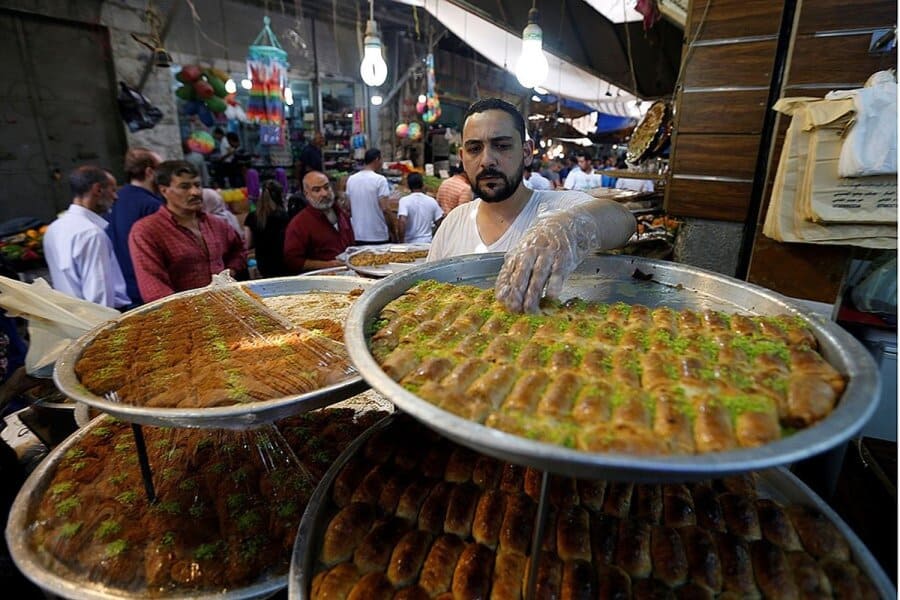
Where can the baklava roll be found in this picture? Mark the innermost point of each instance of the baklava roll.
(434, 464)
(434, 508)
(633, 548)
(818, 535)
(776, 526)
(527, 392)
(740, 516)
(666, 319)
(737, 567)
(549, 577)
(712, 426)
(592, 404)
(667, 554)
(773, 574)
(489, 518)
(369, 489)
(511, 478)
(509, 571)
(345, 531)
(336, 583)
(715, 321)
(612, 582)
(472, 576)
(373, 586)
(618, 499)
(532, 483)
(678, 506)
(374, 551)
(757, 428)
(348, 480)
(412, 592)
(703, 559)
(573, 534)
(432, 368)
(460, 465)
(627, 368)
(531, 356)
(558, 397)
(742, 485)
(461, 510)
(453, 386)
(502, 348)
(486, 472)
(412, 498)
(809, 399)
(844, 578)
(672, 423)
(399, 363)
(744, 325)
(563, 491)
(489, 391)
(596, 362)
(407, 557)
(578, 581)
(810, 579)
(393, 488)
(591, 492)
(518, 523)
(604, 536)
(689, 323)
(646, 503)
(440, 563)
(707, 509)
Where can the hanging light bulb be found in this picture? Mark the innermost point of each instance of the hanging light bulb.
(288, 96)
(230, 86)
(373, 69)
(377, 100)
(246, 84)
(532, 67)
(422, 98)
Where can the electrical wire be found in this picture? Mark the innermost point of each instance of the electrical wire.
(628, 48)
(690, 49)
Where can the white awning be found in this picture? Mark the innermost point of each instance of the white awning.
(503, 49)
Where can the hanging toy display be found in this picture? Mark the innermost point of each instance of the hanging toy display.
(202, 142)
(203, 91)
(431, 112)
(402, 130)
(267, 69)
(414, 132)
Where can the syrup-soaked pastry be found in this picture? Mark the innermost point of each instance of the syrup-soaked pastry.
(707, 509)
(348, 480)
(434, 464)
(511, 478)
(532, 483)
(817, 534)
(394, 487)
(742, 485)
(548, 541)
(703, 560)
(461, 510)
(407, 557)
(412, 498)
(563, 491)
(374, 551)
(591, 493)
(412, 592)
(509, 571)
(612, 582)
(486, 472)
(773, 573)
(618, 499)
(434, 508)
(369, 489)
(776, 525)
(518, 521)
(373, 586)
(737, 567)
(646, 503)
(549, 576)
(667, 554)
(810, 579)
(578, 581)
(345, 531)
(489, 518)
(844, 578)
(678, 506)
(740, 516)
(604, 535)
(472, 576)
(633, 549)
(439, 565)
(336, 582)
(573, 528)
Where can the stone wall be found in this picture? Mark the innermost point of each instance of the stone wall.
(712, 245)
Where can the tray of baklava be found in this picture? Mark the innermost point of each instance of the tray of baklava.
(642, 369)
(227, 355)
(226, 512)
(406, 513)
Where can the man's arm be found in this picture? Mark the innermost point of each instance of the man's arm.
(235, 257)
(401, 228)
(570, 180)
(149, 265)
(99, 268)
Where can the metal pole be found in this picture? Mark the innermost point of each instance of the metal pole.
(146, 473)
(540, 523)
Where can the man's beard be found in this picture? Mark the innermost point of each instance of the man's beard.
(325, 204)
(502, 192)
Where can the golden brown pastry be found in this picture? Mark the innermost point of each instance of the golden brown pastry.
(461, 510)
(678, 506)
(773, 573)
(393, 488)
(612, 582)
(703, 559)
(347, 481)
(776, 525)
(604, 532)
(707, 509)
(549, 576)
(434, 508)
(489, 518)
(737, 567)
(633, 548)
(573, 528)
(817, 534)
(667, 554)
(407, 558)
(373, 586)
(740, 516)
(345, 531)
(374, 551)
(337, 582)
(472, 576)
(412, 498)
(511, 478)
(809, 577)
(591, 492)
(518, 521)
(509, 571)
(486, 472)
(369, 489)
(578, 581)
(618, 499)
(439, 565)
(412, 592)
(646, 503)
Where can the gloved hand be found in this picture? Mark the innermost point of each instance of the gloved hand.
(556, 243)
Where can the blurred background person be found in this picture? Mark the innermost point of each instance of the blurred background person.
(418, 213)
(265, 230)
(454, 190)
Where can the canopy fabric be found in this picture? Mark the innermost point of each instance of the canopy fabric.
(503, 49)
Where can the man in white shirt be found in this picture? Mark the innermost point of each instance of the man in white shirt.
(534, 180)
(369, 193)
(636, 185)
(418, 213)
(545, 234)
(78, 251)
(584, 177)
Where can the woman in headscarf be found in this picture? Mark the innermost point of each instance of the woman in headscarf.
(213, 204)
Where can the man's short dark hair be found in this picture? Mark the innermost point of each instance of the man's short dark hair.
(136, 162)
(455, 170)
(584, 154)
(372, 154)
(82, 179)
(528, 168)
(232, 137)
(174, 168)
(218, 131)
(414, 181)
(486, 104)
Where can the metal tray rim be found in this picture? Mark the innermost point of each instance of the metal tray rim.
(237, 415)
(856, 406)
(375, 271)
(27, 562)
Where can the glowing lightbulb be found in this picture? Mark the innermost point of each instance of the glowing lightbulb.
(288, 96)
(377, 100)
(246, 84)
(532, 67)
(373, 68)
(230, 86)
(422, 98)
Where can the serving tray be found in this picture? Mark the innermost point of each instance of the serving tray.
(634, 280)
(386, 269)
(234, 416)
(778, 484)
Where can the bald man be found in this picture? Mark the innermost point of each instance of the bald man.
(319, 232)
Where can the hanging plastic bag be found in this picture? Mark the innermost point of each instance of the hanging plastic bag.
(877, 293)
(136, 110)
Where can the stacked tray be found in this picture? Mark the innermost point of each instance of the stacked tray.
(383, 269)
(234, 415)
(635, 281)
(391, 518)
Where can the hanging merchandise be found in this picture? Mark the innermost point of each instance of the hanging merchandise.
(402, 130)
(432, 108)
(203, 90)
(202, 142)
(267, 70)
(414, 132)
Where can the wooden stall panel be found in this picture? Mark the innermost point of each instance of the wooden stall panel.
(840, 59)
(828, 15)
(722, 112)
(810, 271)
(734, 18)
(719, 155)
(717, 200)
(743, 64)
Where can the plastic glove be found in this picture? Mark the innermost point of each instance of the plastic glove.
(555, 244)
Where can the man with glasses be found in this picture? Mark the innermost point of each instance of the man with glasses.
(319, 232)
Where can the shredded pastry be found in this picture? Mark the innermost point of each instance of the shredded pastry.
(601, 377)
(372, 259)
(323, 312)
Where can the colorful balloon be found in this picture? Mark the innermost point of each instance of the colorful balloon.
(415, 131)
(402, 130)
(202, 142)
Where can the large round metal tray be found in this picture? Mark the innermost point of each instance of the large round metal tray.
(779, 484)
(58, 579)
(389, 268)
(610, 278)
(235, 416)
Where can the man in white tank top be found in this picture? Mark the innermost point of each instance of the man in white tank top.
(545, 233)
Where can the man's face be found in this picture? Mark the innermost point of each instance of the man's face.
(585, 164)
(183, 194)
(103, 196)
(318, 191)
(493, 155)
(319, 140)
